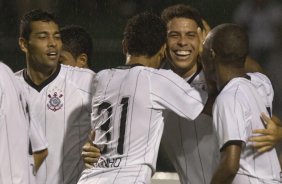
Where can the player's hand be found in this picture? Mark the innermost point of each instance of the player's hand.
(207, 28)
(90, 154)
(202, 34)
(270, 136)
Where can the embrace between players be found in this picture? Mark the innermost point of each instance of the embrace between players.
(132, 105)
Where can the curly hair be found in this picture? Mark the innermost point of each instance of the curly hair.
(145, 34)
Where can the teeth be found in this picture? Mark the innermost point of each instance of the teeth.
(52, 53)
(183, 53)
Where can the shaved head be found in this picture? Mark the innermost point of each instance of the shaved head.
(230, 43)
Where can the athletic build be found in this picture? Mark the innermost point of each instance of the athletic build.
(236, 111)
(61, 97)
(128, 106)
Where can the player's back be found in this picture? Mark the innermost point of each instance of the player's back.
(247, 100)
(127, 115)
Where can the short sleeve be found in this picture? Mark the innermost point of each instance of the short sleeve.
(169, 91)
(230, 120)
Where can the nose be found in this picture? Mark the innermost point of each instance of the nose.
(52, 42)
(182, 41)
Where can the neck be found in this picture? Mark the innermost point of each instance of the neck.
(143, 60)
(227, 74)
(184, 73)
(39, 75)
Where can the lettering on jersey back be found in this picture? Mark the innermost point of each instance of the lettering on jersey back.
(108, 162)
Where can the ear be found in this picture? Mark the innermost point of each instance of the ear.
(82, 61)
(124, 47)
(212, 53)
(23, 44)
(162, 52)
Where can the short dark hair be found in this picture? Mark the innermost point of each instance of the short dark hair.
(77, 40)
(182, 11)
(144, 34)
(35, 15)
(231, 43)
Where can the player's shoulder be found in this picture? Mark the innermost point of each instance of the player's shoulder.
(5, 68)
(76, 71)
(79, 78)
(261, 82)
(165, 73)
(230, 90)
(259, 78)
(7, 74)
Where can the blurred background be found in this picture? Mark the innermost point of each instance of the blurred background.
(105, 20)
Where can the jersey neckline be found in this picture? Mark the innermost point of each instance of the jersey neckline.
(44, 83)
(128, 66)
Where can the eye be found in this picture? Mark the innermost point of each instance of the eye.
(191, 34)
(42, 35)
(173, 35)
(57, 36)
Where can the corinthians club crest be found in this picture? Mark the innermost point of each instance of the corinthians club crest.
(55, 102)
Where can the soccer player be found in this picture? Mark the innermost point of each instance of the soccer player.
(17, 162)
(129, 103)
(190, 145)
(61, 97)
(77, 46)
(236, 111)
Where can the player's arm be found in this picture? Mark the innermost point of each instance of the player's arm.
(90, 154)
(39, 157)
(268, 137)
(229, 163)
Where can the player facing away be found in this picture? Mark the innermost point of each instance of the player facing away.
(128, 106)
(17, 162)
(61, 97)
(236, 111)
(77, 47)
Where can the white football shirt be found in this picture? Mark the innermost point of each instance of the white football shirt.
(191, 145)
(62, 106)
(236, 113)
(127, 116)
(15, 167)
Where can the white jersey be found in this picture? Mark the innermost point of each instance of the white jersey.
(191, 145)
(236, 113)
(16, 163)
(62, 105)
(127, 115)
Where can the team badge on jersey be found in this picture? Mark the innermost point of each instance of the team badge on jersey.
(55, 102)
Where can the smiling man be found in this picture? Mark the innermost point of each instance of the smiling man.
(61, 97)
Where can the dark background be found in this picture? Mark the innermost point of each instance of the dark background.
(105, 20)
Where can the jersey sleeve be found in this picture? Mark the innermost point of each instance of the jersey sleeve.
(230, 120)
(169, 91)
(264, 87)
